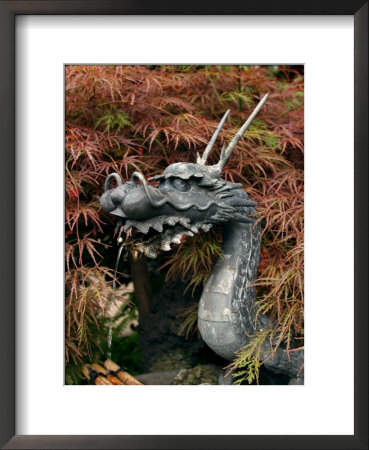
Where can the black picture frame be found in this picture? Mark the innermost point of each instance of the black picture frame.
(8, 11)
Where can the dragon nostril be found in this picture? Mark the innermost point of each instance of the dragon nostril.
(106, 202)
(113, 197)
(116, 197)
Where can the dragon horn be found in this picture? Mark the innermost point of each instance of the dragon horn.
(228, 151)
(202, 159)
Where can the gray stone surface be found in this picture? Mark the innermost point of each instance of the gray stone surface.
(164, 377)
(296, 381)
(201, 374)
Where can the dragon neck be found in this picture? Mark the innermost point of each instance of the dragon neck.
(242, 242)
(226, 312)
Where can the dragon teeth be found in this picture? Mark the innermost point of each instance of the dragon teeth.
(143, 227)
(194, 229)
(177, 239)
(206, 226)
(157, 225)
(165, 247)
(172, 220)
(184, 221)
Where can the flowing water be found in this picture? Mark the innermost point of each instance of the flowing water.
(111, 304)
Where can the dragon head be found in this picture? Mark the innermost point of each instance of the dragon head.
(189, 197)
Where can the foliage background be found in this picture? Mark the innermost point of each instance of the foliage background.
(127, 118)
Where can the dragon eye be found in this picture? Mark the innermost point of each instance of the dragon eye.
(181, 185)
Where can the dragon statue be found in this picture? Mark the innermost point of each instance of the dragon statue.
(192, 197)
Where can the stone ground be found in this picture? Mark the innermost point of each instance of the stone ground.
(168, 357)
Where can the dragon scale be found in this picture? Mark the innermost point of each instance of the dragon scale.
(227, 315)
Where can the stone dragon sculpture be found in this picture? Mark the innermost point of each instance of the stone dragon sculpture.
(193, 197)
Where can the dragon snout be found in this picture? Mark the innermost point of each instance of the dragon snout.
(111, 200)
(132, 200)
